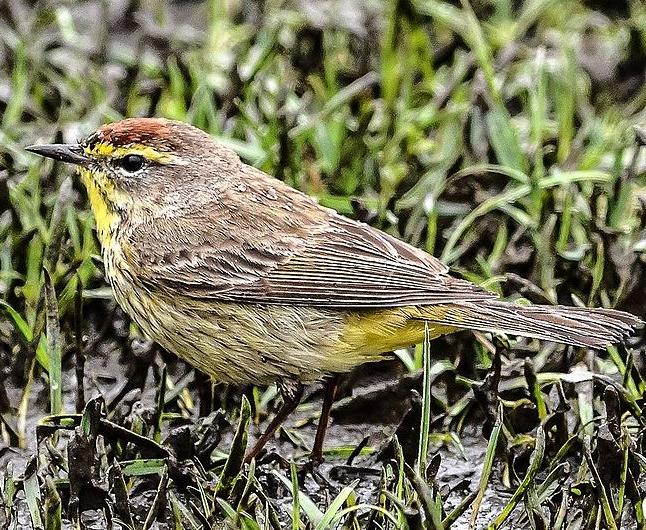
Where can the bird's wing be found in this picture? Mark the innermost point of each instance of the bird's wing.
(290, 251)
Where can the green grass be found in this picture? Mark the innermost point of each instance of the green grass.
(500, 136)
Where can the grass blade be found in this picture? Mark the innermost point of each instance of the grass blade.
(534, 466)
(487, 466)
(422, 452)
(296, 507)
(53, 347)
(335, 506)
(312, 511)
(32, 494)
(234, 462)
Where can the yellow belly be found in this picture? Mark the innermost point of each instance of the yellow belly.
(259, 344)
(385, 330)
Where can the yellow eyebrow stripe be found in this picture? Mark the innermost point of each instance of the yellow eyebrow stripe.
(106, 150)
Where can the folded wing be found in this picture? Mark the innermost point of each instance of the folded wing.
(290, 251)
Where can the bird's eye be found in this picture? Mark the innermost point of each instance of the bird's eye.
(132, 163)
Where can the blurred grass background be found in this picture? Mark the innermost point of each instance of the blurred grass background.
(505, 137)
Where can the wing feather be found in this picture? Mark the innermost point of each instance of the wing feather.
(241, 247)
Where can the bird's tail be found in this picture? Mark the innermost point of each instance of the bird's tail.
(595, 328)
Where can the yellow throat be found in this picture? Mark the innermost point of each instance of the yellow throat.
(101, 193)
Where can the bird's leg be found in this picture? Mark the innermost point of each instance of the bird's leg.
(291, 392)
(329, 392)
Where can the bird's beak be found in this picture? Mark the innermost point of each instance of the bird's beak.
(71, 153)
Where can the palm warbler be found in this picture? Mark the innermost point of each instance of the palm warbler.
(252, 281)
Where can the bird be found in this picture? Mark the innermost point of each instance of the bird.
(253, 282)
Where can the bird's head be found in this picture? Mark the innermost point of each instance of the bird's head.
(140, 163)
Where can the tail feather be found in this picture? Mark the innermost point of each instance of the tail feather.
(595, 328)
